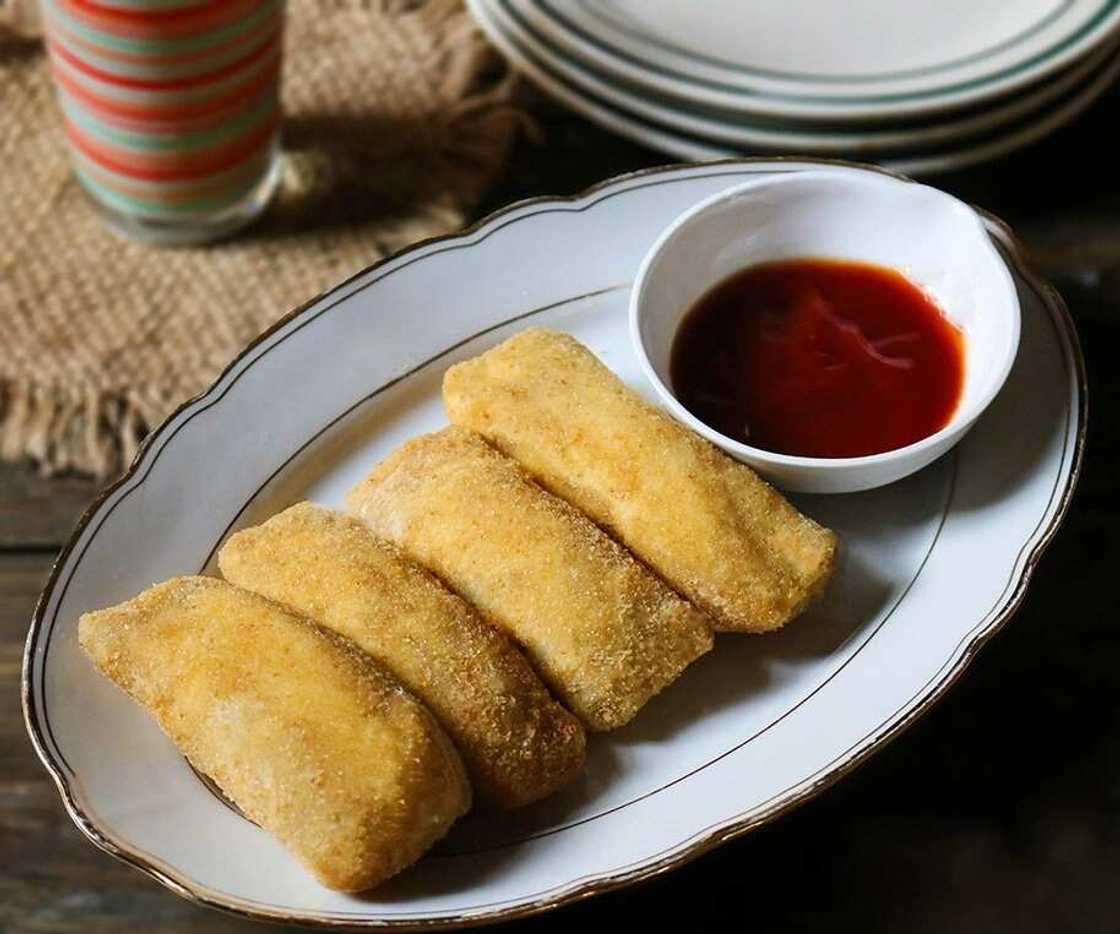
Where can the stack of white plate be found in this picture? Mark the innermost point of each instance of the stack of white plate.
(922, 86)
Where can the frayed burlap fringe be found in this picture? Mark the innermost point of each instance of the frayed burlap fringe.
(397, 118)
(63, 427)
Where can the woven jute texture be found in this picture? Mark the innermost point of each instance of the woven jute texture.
(397, 117)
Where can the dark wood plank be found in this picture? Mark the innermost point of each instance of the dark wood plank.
(21, 578)
(38, 511)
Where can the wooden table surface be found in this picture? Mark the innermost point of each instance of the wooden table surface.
(999, 811)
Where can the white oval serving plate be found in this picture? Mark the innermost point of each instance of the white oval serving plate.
(931, 567)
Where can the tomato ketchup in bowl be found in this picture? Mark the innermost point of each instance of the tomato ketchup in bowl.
(819, 358)
(836, 329)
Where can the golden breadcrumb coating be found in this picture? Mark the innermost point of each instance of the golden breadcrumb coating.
(518, 743)
(311, 738)
(603, 632)
(705, 522)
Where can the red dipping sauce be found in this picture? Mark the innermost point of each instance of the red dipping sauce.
(821, 358)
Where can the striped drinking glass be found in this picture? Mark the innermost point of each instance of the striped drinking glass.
(171, 110)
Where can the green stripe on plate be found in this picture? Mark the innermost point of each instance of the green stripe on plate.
(603, 16)
(1057, 49)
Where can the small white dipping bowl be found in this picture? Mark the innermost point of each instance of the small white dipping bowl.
(936, 241)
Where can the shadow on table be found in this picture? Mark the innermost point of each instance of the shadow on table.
(353, 169)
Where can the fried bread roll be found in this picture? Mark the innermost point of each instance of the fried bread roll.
(604, 633)
(518, 743)
(705, 522)
(310, 737)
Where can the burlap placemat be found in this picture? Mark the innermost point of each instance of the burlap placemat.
(396, 119)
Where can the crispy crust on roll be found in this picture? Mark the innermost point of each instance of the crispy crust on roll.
(705, 522)
(604, 633)
(310, 737)
(518, 743)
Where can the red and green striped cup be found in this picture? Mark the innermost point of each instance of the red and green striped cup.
(171, 109)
